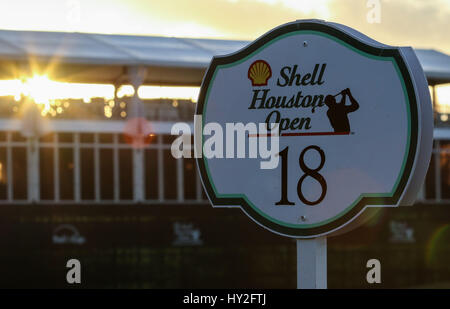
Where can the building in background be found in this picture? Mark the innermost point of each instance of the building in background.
(86, 170)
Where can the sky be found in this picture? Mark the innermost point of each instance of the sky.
(417, 23)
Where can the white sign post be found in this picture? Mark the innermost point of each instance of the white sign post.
(312, 263)
(354, 132)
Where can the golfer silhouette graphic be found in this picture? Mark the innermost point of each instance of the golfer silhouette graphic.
(337, 112)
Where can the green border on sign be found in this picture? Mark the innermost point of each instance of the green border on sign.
(347, 209)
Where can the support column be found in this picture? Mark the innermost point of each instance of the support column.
(312, 263)
(137, 117)
(31, 129)
(434, 103)
(136, 76)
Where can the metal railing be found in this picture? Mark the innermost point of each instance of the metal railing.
(93, 167)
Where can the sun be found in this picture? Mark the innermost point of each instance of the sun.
(38, 88)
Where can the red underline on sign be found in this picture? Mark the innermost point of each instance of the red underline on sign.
(301, 134)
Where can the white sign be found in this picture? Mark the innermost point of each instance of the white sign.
(355, 127)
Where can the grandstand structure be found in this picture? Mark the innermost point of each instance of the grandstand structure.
(94, 178)
(83, 155)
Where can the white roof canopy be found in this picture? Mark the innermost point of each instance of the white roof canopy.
(99, 58)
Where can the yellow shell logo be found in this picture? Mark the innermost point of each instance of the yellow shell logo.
(259, 73)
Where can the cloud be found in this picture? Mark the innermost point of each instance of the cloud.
(423, 24)
(243, 19)
(415, 23)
